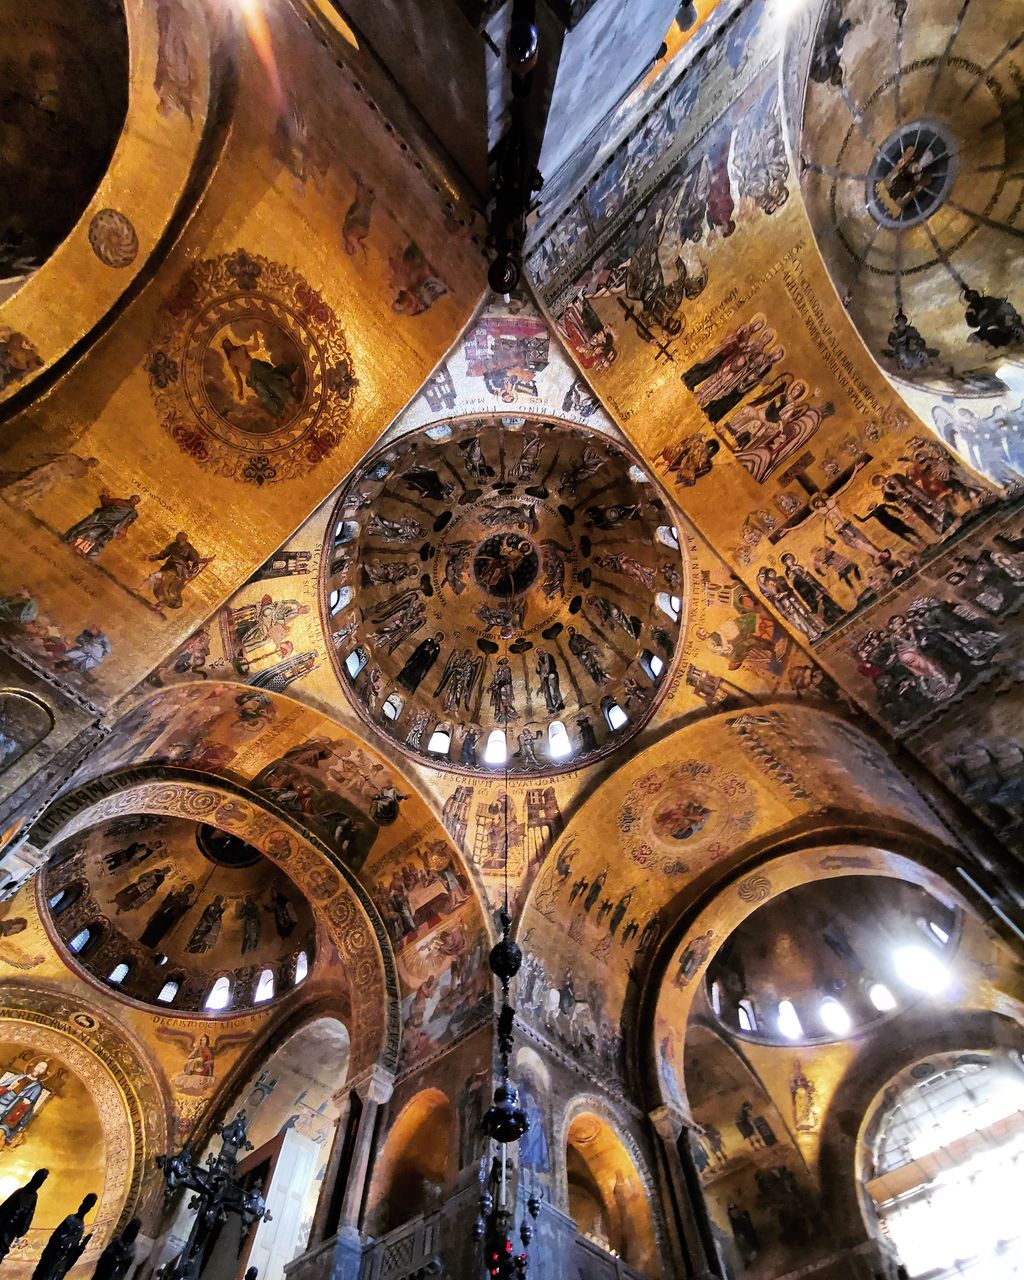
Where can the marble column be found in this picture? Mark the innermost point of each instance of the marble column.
(689, 1214)
(374, 1090)
(330, 1192)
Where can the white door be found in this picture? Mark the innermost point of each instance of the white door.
(277, 1241)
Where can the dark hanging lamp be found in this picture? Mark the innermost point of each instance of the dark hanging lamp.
(505, 1121)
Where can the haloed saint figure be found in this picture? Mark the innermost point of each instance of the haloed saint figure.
(22, 1095)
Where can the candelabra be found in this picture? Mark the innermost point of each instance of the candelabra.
(218, 1192)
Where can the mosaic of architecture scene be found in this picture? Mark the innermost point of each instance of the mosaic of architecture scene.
(512, 640)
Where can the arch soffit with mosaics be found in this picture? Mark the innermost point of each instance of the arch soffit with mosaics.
(266, 1042)
(761, 810)
(304, 722)
(127, 220)
(347, 913)
(122, 1078)
(582, 1104)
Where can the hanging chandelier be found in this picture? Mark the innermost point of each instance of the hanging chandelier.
(505, 1122)
(514, 175)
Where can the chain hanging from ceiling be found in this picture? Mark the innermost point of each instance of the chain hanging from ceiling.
(505, 1121)
(514, 173)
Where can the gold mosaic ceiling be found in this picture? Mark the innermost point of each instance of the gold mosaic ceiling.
(503, 576)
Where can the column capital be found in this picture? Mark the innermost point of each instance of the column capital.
(377, 1085)
(669, 1122)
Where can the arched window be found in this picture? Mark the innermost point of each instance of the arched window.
(338, 599)
(496, 751)
(670, 605)
(745, 1013)
(118, 974)
(66, 897)
(440, 740)
(168, 991)
(938, 932)
(355, 662)
(881, 997)
(264, 987)
(220, 994)
(921, 968)
(668, 535)
(301, 967)
(559, 745)
(652, 664)
(613, 713)
(345, 531)
(392, 706)
(834, 1016)
(716, 998)
(81, 940)
(789, 1020)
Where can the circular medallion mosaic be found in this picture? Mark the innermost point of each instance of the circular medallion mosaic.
(251, 372)
(674, 812)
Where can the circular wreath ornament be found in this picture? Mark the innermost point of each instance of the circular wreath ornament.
(250, 371)
(113, 239)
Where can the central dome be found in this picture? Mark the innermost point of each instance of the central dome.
(518, 594)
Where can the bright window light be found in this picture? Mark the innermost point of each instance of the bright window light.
(789, 1020)
(496, 751)
(652, 664)
(670, 605)
(745, 1013)
(559, 745)
(922, 970)
(355, 662)
(167, 992)
(835, 1017)
(616, 716)
(440, 741)
(716, 998)
(301, 967)
(265, 986)
(118, 974)
(669, 536)
(881, 997)
(938, 932)
(79, 940)
(220, 994)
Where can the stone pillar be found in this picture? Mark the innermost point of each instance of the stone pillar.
(329, 1190)
(687, 1211)
(373, 1090)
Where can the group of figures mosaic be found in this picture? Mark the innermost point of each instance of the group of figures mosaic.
(157, 897)
(589, 217)
(662, 259)
(951, 627)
